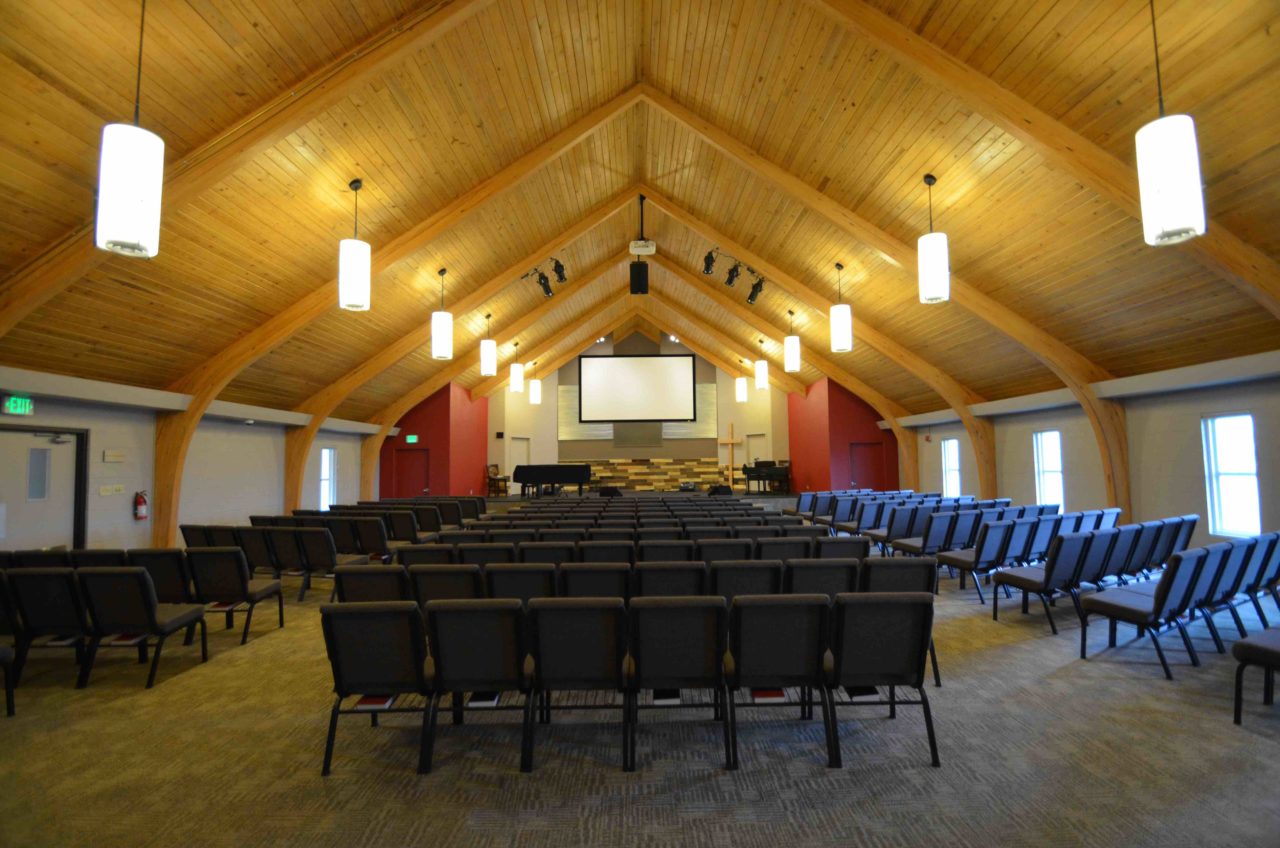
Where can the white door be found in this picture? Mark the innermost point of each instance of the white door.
(37, 490)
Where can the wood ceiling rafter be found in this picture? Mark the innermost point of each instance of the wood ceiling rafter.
(1075, 370)
(955, 394)
(68, 259)
(1220, 250)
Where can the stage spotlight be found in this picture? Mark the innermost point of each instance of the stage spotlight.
(756, 288)
(558, 267)
(733, 274)
(709, 262)
(545, 282)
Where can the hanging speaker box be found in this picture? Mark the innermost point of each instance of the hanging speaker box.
(639, 277)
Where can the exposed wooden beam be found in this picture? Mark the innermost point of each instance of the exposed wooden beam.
(1245, 266)
(1074, 369)
(74, 255)
(981, 431)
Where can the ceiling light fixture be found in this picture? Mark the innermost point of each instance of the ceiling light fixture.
(355, 262)
(130, 180)
(441, 327)
(740, 389)
(535, 386)
(516, 380)
(1169, 183)
(762, 369)
(841, 318)
(933, 258)
(488, 352)
(791, 346)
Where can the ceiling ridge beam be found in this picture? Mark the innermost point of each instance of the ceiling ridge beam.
(1075, 370)
(1243, 265)
(73, 255)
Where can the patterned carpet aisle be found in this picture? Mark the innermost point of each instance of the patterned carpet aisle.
(1038, 748)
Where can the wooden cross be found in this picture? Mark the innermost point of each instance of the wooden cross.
(730, 441)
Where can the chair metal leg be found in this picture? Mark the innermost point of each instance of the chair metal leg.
(1235, 616)
(426, 746)
(1257, 606)
(8, 691)
(928, 726)
(1024, 602)
(1111, 632)
(933, 661)
(544, 716)
(995, 605)
(190, 635)
(526, 739)
(1155, 640)
(1269, 687)
(142, 652)
(1186, 640)
(1213, 631)
(455, 705)
(824, 698)
(733, 731)
(977, 585)
(893, 702)
(1048, 613)
(204, 640)
(20, 651)
(155, 662)
(231, 619)
(833, 739)
(1084, 636)
(333, 732)
(248, 617)
(280, 604)
(1239, 703)
(306, 584)
(86, 664)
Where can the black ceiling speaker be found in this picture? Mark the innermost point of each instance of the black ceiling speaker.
(639, 277)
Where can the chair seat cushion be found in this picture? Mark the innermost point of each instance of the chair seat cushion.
(1259, 649)
(914, 544)
(353, 559)
(1133, 607)
(1029, 577)
(171, 617)
(259, 589)
(849, 527)
(957, 559)
(1143, 587)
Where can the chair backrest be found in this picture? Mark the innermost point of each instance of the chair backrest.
(919, 520)
(843, 510)
(778, 640)
(898, 521)
(221, 575)
(1232, 573)
(450, 512)
(1110, 516)
(841, 547)
(1173, 592)
(98, 559)
(376, 648)
(1121, 553)
(428, 517)
(1144, 546)
(342, 529)
(1015, 547)
(670, 578)
(1255, 570)
(219, 536)
(823, 504)
(40, 558)
(595, 580)
(486, 552)
(784, 548)
(403, 525)
(987, 515)
(170, 577)
(48, 601)
(433, 582)
(563, 658)
(1064, 559)
(963, 530)
(1185, 530)
(665, 550)
(367, 583)
(761, 531)
(257, 548)
(827, 577)
(1269, 574)
(1166, 542)
(1215, 559)
(119, 600)
(477, 645)
(898, 574)
(562, 534)
(677, 642)
(804, 503)
(990, 544)
(746, 577)
(1094, 562)
(319, 552)
(881, 638)
(937, 530)
(552, 552)
(431, 553)
(194, 535)
(371, 535)
(594, 551)
(523, 580)
(1090, 519)
(658, 534)
(1046, 528)
(286, 548)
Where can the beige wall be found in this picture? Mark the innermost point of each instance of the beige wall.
(513, 415)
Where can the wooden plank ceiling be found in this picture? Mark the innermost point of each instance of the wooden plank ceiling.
(786, 78)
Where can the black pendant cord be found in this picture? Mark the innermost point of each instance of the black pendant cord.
(355, 230)
(930, 207)
(642, 217)
(442, 273)
(839, 282)
(1155, 43)
(137, 92)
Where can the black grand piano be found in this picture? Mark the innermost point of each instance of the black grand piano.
(538, 476)
(766, 472)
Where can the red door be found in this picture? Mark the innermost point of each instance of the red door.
(410, 472)
(866, 465)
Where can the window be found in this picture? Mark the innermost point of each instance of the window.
(951, 468)
(38, 474)
(328, 477)
(1231, 475)
(1048, 459)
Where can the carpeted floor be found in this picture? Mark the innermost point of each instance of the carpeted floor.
(1038, 748)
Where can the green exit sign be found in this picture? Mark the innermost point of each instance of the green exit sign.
(411, 439)
(17, 405)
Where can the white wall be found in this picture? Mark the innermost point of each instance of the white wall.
(347, 446)
(930, 450)
(753, 416)
(233, 470)
(511, 413)
(1083, 482)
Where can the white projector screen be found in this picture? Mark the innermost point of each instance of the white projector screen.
(636, 388)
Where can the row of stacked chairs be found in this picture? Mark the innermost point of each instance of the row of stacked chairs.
(625, 533)
(811, 505)
(706, 549)
(812, 641)
(351, 533)
(867, 510)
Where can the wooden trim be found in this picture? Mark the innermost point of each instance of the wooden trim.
(1241, 264)
(69, 258)
(1074, 369)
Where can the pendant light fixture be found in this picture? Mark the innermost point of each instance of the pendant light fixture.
(841, 320)
(791, 346)
(354, 262)
(932, 258)
(515, 381)
(441, 327)
(1169, 187)
(740, 389)
(762, 369)
(488, 352)
(130, 181)
(535, 386)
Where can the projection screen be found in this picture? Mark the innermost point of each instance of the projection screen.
(636, 388)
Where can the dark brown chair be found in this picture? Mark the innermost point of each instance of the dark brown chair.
(221, 577)
(320, 555)
(828, 577)
(1261, 649)
(790, 547)
(670, 579)
(376, 649)
(552, 552)
(446, 582)
(841, 547)
(41, 558)
(99, 559)
(6, 665)
(595, 580)
(123, 600)
(48, 602)
(433, 554)
(169, 574)
(256, 545)
(371, 583)
(1066, 553)
(194, 535)
(718, 550)
(523, 580)
(600, 551)
(485, 553)
(745, 577)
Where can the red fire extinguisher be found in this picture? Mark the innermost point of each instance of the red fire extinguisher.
(140, 512)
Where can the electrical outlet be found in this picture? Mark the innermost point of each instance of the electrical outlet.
(117, 489)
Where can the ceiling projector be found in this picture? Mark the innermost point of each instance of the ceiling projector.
(643, 247)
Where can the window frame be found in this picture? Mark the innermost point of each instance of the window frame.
(946, 470)
(1037, 455)
(1213, 476)
(328, 484)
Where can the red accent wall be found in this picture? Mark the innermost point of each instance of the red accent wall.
(821, 427)
(453, 427)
